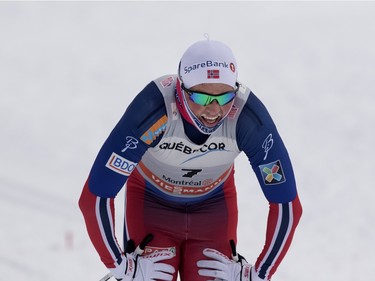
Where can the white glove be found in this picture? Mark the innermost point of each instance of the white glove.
(150, 268)
(135, 267)
(223, 268)
(138, 268)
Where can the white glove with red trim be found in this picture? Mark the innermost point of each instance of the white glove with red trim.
(138, 268)
(220, 267)
(135, 267)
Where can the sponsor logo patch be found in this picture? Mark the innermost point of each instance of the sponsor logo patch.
(180, 146)
(183, 187)
(155, 130)
(167, 82)
(190, 172)
(131, 143)
(120, 165)
(205, 64)
(267, 145)
(156, 252)
(272, 173)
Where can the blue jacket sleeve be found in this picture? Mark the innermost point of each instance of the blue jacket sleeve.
(258, 137)
(124, 147)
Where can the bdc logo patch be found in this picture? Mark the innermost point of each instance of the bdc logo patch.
(272, 173)
(120, 165)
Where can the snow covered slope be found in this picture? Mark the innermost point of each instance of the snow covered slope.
(69, 69)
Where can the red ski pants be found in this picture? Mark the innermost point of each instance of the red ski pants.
(185, 228)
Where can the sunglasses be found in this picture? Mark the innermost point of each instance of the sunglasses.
(204, 99)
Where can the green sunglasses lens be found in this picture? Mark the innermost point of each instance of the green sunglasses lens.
(205, 99)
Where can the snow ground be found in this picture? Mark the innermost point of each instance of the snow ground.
(69, 69)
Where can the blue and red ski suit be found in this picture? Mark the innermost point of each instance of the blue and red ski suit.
(180, 183)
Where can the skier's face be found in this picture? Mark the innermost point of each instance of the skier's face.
(211, 113)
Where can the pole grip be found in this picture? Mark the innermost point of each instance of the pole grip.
(106, 277)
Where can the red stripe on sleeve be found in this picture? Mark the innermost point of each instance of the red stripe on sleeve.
(273, 215)
(273, 227)
(297, 213)
(87, 203)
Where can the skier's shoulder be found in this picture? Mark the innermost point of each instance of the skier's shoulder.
(254, 111)
(166, 82)
(254, 122)
(151, 97)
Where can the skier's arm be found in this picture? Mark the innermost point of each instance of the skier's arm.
(114, 163)
(282, 221)
(259, 139)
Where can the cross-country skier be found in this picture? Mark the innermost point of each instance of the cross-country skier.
(174, 148)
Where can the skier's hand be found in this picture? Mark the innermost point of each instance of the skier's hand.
(149, 268)
(135, 267)
(220, 267)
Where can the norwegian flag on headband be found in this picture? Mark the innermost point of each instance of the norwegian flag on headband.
(213, 74)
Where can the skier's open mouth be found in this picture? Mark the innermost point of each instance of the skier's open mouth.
(211, 121)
